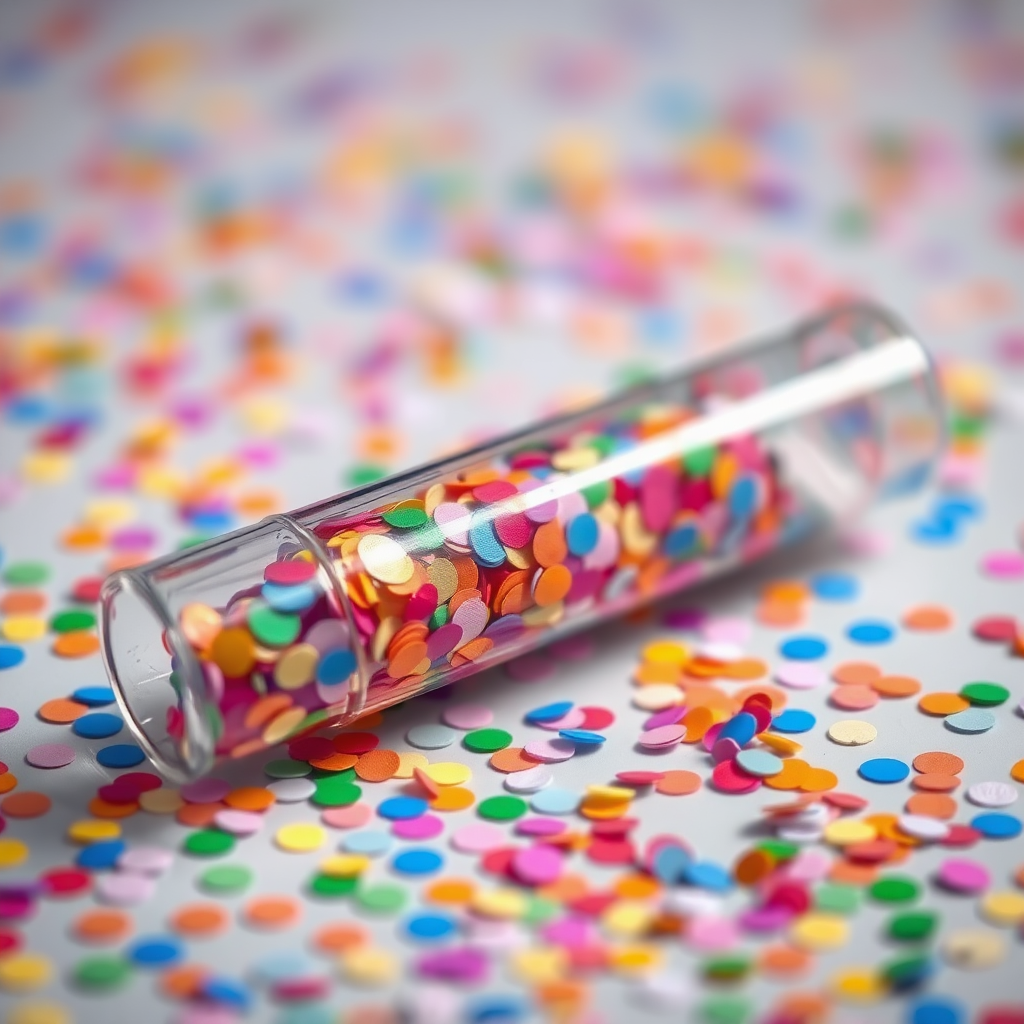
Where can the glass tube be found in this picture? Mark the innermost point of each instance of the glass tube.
(350, 605)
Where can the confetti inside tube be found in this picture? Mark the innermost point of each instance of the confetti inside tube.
(348, 606)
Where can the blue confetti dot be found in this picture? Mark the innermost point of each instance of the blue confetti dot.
(94, 696)
(226, 990)
(803, 648)
(970, 720)
(289, 599)
(369, 841)
(708, 875)
(936, 1010)
(156, 952)
(996, 825)
(683, 540)
(742, 728)
(582, 737)
(487, 549)
(794, 720)
(335, 666)
(581, 535)
(429, 927)
(742, 499)
(401, 808)
(417, 862)
(884, 769)
(10, 656)
(962, 507)
(282, 966)
(555, 800)
(495, 1009)
(870, 631)
(102, 855)
(670, 864)
(120, 755)
(97, 726)
(834, 586)
(549, 712)
(935, 532)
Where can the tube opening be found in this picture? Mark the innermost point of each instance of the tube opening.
(156, 677)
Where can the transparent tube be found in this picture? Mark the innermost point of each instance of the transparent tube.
(353, 604)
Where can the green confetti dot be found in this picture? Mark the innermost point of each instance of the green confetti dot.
(66, 622)
(985, 695)
(916, 926)
(365, 473)
(501, 808)
(193, 542)
(26, 574)
(405, 518)
(698, 463)
(486, 741)
(837, 899)
(209, 842)
(724, 1010)
(381, 899)
(273, 628)
(895, 889)
(728, 968)
(226, 878)
(779, 850)
(101, 972)
(286, 768)
(907, 969)
(328, 886)
(540, 910)
(336, 791)
(439, 618)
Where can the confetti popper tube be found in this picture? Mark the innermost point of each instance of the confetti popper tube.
(348, 606)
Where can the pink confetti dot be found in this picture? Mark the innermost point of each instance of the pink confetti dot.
(8, 719)
(537, 865)
(427, 826)
(967, 876)
(50, 755)
(205, 791)
(353, 816)
(124, 888)
(1003, 565)
(467, 716)
(478, 838)
(798, 675)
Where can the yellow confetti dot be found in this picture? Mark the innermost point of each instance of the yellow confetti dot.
(539, 966)
(408, 761)
(666, 652)
(780, 744)
(39, 1013)
(820, 931)
(92, 831)
(385, 559)
(109, 512)
(608, 796)
(367, 965)
(345, 865)
(845, 833)
(23, 628)
(852, 732)
(285, 723)
(300, 837)
(12, 853)
(161, 801)
(448, 773)
(161, 482)
(974, 949)
(21, 972)
(44, 467)
(502, 903)
(858, 985)
(628, 918)
(1003, 908)
(636, 959)
(296, 666)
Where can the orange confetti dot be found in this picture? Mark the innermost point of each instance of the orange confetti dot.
(453, 798)
(932, 805)
(337, 938)
(896, 686)
(791, 776)
(61, 710)
(23, 602)
(636, 887)
(102, 926)
(184, 981)
(8, 781)
(934, 782)
(940, 762)
(753, 866)
(845, 873)
(77, 644)
(233, 652)
(678, 783)
(786, 591)
(250, 798)
(856, 673)
(784, 960)
(818, 780)
(271, 912)
(746, 668)
(336, 762)
(100, 808)
(552, 586)
(450, 891)
(511, 759)
(1017, 771)
(199, 919)
(942, 703)
(928, 618)
(197, 815)
(378, 765)
(782, 614)
(26, 804)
